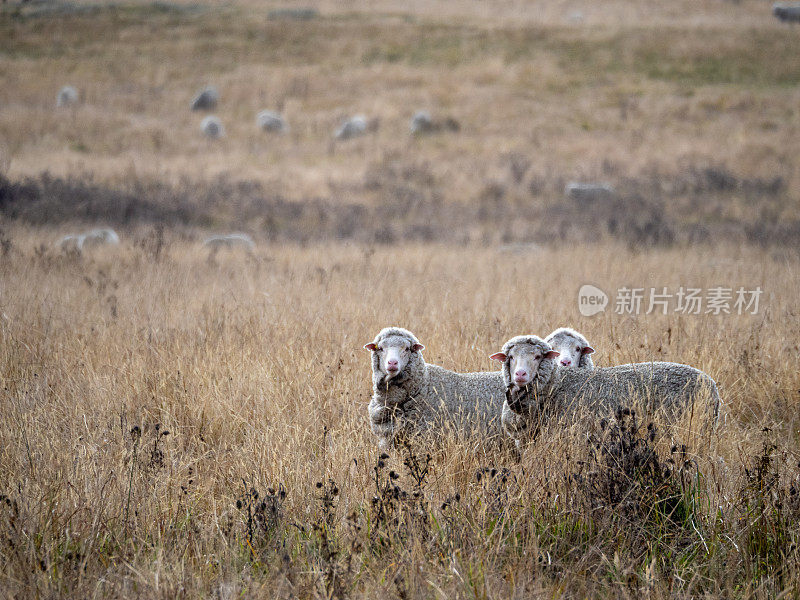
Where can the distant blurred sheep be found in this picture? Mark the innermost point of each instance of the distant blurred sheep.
(589, 192)
(212, 127)
(206, 99)
(271, 121)
(787, 13)
(293, 14)
(230, 241)
(99, 237)
(90, 239)
(70, 243)
(422, 122)
(355, 126)
(67, 96)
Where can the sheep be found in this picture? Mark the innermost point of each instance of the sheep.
(267, 120)
(67, 96)
(354, 127)
(538, 389)
(293, 14)
(206, 99)
(589, 192)
(786, 12)
(412, 397)
(230, 241)
(70, 243)
(573, 348)
(575, 17)
(422, 123)
(98, 237)
(212, 127)
(90, 239)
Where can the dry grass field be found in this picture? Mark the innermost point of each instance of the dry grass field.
(255, 368)
(175, 424)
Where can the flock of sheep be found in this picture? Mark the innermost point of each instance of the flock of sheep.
(78, 242)
(540, 379)
(212, 127)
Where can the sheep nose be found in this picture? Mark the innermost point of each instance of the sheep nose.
(566, 362)
(521, 373)
(391, 365)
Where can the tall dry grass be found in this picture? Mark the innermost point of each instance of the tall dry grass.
(172, 427)
(178, 425)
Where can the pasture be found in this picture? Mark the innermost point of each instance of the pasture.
(181, 423)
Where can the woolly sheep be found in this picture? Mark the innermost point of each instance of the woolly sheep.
(421, 122)
(206, 99)
(267, 120)
(411, 397)
(70, 243)
(98, 237)
(230, 240)
(293, 14)
(90, 239)
(354, 127)
(573, 348)
(575, 17)
(212, 127)
(537, 389)
(589, 192)
(787, 12)
(67, 96)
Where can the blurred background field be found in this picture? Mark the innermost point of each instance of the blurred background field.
(690, 110)
(268, 482)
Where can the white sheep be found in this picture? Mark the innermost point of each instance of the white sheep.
(230, 241)
(67, 96)
(98, 237)
(410, 397)
(536, 389)
(70, 243)
(589, 192)
(421, 122)
(573, 348)
(267, 120)
(206, 99)
(212, 127)
(90, 239)
(352, 127)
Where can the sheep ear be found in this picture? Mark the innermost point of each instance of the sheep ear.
(588, 350)
(417, 347)
(370, 346)
(552, 354)
(499, 357)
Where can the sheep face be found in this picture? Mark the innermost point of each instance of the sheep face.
(391, 355)
(570, 345)
(522, 357)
